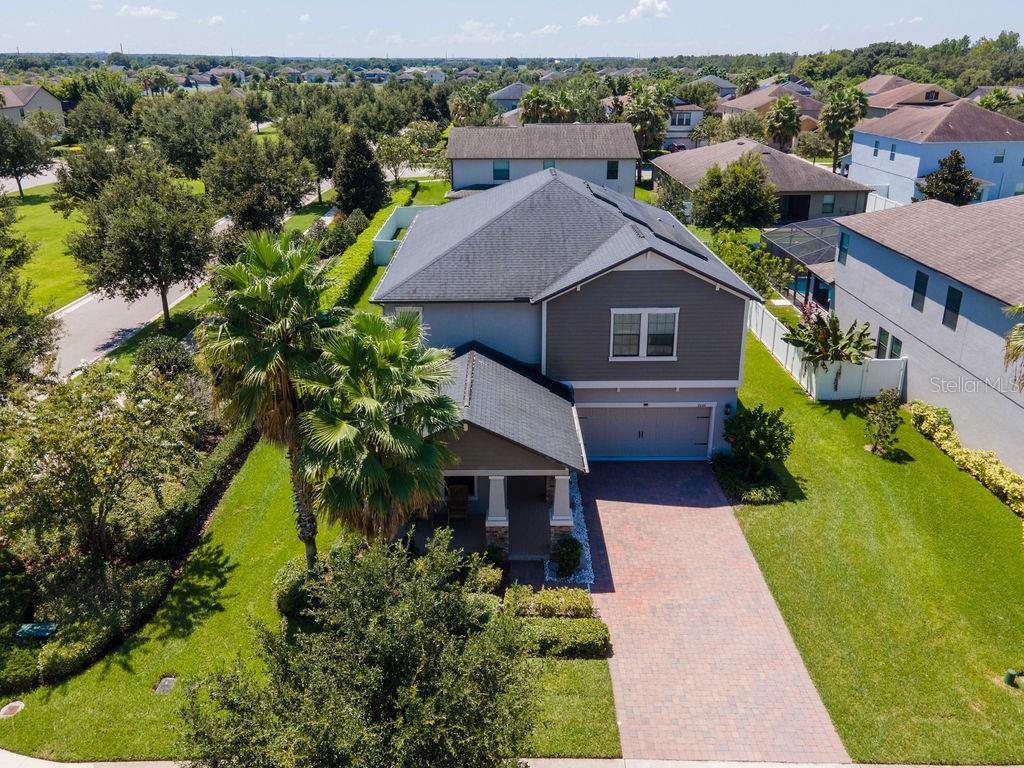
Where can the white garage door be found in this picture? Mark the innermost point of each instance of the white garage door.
(645, 432)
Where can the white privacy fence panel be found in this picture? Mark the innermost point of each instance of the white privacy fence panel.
(856, 380)
(877, 202)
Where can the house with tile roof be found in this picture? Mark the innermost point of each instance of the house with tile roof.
(933, 281)
(587, 326)
(893, 154)
(761, 101)
(19, 101)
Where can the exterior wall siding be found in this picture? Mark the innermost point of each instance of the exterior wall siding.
(961, 369)
(474, 173)
(43, 100)
(710, 332)
(478, 449)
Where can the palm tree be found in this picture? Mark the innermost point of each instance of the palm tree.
(1013, 353)
(648, 115)
(782, 122)
(264, 328)
(536, 106)
(375, 448)
(844, 108)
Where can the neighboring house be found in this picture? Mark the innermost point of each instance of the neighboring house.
(507, 98)
(806, 191)
(682, 119)
(513, 118)
(881, 83)
(1015, 91)
(468, 72)
(933, 281)
(587, 326)
(602, 153)
(791, 83)
(763, 100)
(432, 75)
(893, 154)
(552, 76)
(375, 75)
(227, 73)
(317, 75)
(911, 94)
(726, 90)
(289, 73)
(19, 101)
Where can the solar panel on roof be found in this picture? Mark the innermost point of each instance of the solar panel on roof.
(667, 229)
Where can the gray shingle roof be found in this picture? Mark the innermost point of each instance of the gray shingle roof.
(910, 93)
(502, 397)
(961, 120)
(531, 238)
(552, 141)
(19, 95)
(978, 245)
(762, 98)
(788, 173)
(881, 83)
(715, 80)
(510, 91)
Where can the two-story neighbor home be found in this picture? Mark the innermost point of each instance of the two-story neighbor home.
(763, 100)
(317, 75)
(587, 326)
(682, 119)
(910, 94)
(726, 90)
(805, 190)
(602, 153)
(226, 73)
(934, 281)
(19, 101)
(893, 154)
(507, 98)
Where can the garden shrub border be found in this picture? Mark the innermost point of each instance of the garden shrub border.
(936, 424)
(570, 638)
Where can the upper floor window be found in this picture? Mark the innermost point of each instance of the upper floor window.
(952, 311)
(931, 96)
(892, 152)
(895, 348)
(1000, 156)
(680, 119)
(844, 246)
(882, 345)
(828, 203)
(499, 170)
(549, 164)
(644, 334)
(920, 290)
(875, 152)
(612, 171)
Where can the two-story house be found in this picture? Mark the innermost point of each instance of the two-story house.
(761, 102)
(934, 281)
(682, 119)
(602, 153)
(726, 90)
(19, 101)
(908, 94)
(879, 83)
(507, 98)
(893, 154)
(587, 326)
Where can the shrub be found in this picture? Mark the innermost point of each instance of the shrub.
(758, 437)
(165, 353)
(18, 670)
(518, 599)
(882, 421)
(336, 240)
(937, 425)
(356, 223)
(743, 490)
(15, 588)
(485, 578)
(289, 590)
(563, 601)
(570, 638)
(486, 606)
(566, 553)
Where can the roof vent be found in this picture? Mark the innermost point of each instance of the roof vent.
(636, 229)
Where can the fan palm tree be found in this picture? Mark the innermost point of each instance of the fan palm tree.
(823, 342)
(648, 116)
(375, 449)
(264, 328)
(536, 106)
(844, 108)
(1014, 351)
(782, 122)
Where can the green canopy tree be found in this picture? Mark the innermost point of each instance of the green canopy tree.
(256, 107)
(394, 153)
(83, 174)
(782, 123)
(952, 182)
(745, 125)
(22, 153)
(264, 329)
(95, 119)
(741, 196)
(707, 131)
(843, 110)
(317, 139)
(358, 178)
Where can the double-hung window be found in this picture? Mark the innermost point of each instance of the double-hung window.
(680, 119)
(828, 203)
(882, 345)
(499, 170)
(644, 334)
(612, 170)
(1000, 156)
(920, 290)
(951, 314)
(875, 151)
(892, 152)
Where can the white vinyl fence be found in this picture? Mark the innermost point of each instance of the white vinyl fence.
(877, 202)
(856, 380)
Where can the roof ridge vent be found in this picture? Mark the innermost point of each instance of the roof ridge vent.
(467, 392)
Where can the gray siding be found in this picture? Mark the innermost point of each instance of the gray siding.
(710, 328)
(478, 449)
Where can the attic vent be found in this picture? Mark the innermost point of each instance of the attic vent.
(551, 171)
(467, 392)
(636, 229)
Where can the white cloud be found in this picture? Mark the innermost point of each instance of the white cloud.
(590, 21)
(31, 24)
(95, 6)
(147, 12)
(473, 31)
(547, 29)
(304, 18)
(901, 21)
(214, 21)
(824, 27)
(645, 9)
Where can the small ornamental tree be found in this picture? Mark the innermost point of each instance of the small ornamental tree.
(404, 668)
(739, 197)
(22, 153)
(953, 182)
(672, 196)
(823, 342)
(256, 107)
(394, 153)
(358, 179)
(761, 270)
(883, 420)
(758, 437)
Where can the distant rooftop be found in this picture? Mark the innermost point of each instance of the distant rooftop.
(961, 120)
(555, 141)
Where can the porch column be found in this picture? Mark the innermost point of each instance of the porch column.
(496, 524)
(561, 511)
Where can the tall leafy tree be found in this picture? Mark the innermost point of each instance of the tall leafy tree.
(257, 107)
(83, 174)
(22, 153)
(952, 182)
(96, 120)
(844, 108)
(358, 179)
(256, 183)
(394, 154)
(376, 435)
(265, 328)
(708, 130)
(145, 231)
(749, 125)
(317, 139)
(782, 123)
(647, 113)
(741, 196)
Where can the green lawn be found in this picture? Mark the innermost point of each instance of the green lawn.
(56, 278)
(364, 305)
(110, 711)
(306, 217)
(900, 581)
(577, 712)
(431, 193)
(787, 313)
(644, 195)
(268, 132)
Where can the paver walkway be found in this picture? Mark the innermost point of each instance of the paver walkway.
(703, 666)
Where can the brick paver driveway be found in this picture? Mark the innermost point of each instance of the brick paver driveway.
(703, 666)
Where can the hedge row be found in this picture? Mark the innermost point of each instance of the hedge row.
(570, 638)
(560, 602)
(356, 263)
(937, 425)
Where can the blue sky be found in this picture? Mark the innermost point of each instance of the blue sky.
(487, 28)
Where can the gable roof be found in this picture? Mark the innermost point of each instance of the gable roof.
(904, 94)
(19, 95)
(961, 120)
(721, 82)
(977, 245)
(503, 397)
(534, 237)
(881, 83)
(555, 141)
(510, 91)
(788, 173)
(757, 99)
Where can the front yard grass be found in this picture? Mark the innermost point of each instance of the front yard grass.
(431, 192)
(900, 580)
(307, 215)
(576, 709)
